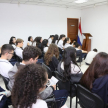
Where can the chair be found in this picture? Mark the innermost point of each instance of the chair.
(79, 55)
(67, 85)
(88, 99)
(48, 70)
(6, 80)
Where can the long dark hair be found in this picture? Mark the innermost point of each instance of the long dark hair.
(29, 38)
(37, 40)
(61, 36)
(69, 57)
(28, 80)
(44, 43)
(11, 40)
(55, 38)
(65, 41)
(98, 68)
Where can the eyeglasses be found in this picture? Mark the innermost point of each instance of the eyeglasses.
(11, 53)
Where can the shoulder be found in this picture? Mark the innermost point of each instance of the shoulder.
(40, 104)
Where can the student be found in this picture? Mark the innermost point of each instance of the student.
(66, 43)
(39, 42)
(30, 40)
(34, 79)
(55, 39)
(69, 69)
(50, 39)
(30, 55)
(12, 41)
(7, 51)
(95, 78)
(90, 56)
(73, 41)
(18, 50)
(60, 41)
(44, 45)
(51, 57)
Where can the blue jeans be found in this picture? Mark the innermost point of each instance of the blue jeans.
(60, 97)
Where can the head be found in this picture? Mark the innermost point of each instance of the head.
(12, 40)
(7, 51)
(74, 44)
(62, 37)
(52, 51)
(45, 43)
(38, 40)
(74, 40)
(55, 38)
(31, 54)
(69, 57)
(30, 38)
(52, 37)
(67, 40)
(19, 43)
(34, 78)
(95, 50)
(77, 46)
(98, 68)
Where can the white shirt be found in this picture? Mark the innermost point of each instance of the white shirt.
(34, 43)
(67, 45)
(5, 67)
(49, 41)
(74, 68)
(40, 104)
(30, 43)
(90, 56)
(60, 44)
(18, 52)
(56, 42)
(14, 46)
(45, 49)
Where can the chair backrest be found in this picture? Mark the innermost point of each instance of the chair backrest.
(6, 80)
(88, 99)
(48, 70)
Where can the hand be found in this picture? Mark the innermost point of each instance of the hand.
(54, 86)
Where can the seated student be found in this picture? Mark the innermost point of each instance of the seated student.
(51, 57)
(30, 40)
(30, 55)
(44, 45)
(12, 41)
(69, 69)
(60, 41)
(95, 78)
(66, 43)
(18, 50)
(34, 79)
(90, 56)
(73, 41)
(50, 39)
(79, 50)
(55, 39)
(39, 42)
(7, 51)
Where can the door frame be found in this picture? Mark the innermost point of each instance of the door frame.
(67, 24)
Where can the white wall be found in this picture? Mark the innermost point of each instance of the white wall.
(95, 21)
(31, 20)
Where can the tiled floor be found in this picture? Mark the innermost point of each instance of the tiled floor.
(83, 68)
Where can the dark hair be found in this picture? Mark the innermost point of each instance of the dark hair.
(95, 50)
(65, 41)
(77, 45)
(29, 38)
(37, 40)
(74, 40)
(61, 36)
(69, 57)
(52, 50)
(98, 68)
(51, 36)
(44, 43)
(31, 52)
(55, 38)
(6, 48)
(11, 40)
(28, 81)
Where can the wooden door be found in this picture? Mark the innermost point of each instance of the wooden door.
(72, 28)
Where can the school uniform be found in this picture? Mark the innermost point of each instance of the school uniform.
(60, 44)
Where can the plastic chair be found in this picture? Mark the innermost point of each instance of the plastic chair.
(88, 99)
(67, 85)
(48, 70)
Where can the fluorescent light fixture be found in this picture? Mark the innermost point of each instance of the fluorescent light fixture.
(80, 1)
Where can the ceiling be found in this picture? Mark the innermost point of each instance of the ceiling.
(59, 3)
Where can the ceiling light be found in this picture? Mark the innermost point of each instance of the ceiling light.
(80, 1)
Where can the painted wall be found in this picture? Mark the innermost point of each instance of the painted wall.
(22, 21)
(95, 21)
